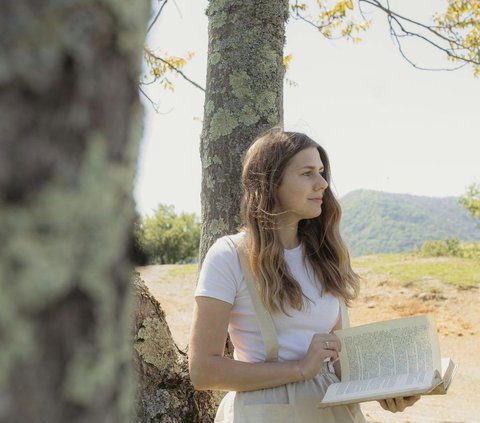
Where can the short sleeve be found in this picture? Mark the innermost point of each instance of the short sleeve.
(221, 272)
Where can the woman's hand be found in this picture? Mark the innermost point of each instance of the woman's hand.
(322, 346)
(398, 403)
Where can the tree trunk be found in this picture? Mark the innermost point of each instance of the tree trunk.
(244, 97)
(165, 392)
(70, 123)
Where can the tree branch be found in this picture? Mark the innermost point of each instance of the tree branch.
(389, 12)
(392, 18)
(154, 105)
(157, 16)
(395, 19)
(395, 37)
(179, 72)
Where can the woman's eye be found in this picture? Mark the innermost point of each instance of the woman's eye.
(310, 173)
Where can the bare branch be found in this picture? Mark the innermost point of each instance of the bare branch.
(146, 83)
(157, 16)
(154, 105)
(389, 12)
(396, 20)
(392, 18)
(396, 41)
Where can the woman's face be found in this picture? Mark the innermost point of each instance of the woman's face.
(301, 189)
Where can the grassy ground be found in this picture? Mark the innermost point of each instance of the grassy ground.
(409, 268)
(406, 268)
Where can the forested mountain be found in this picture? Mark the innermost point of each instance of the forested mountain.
(375, 221)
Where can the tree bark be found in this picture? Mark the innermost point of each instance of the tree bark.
(164, 392)
(244, 97)
(70, 123)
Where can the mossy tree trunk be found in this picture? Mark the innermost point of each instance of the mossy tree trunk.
(165, 393)
(244, 97)
(70, 123)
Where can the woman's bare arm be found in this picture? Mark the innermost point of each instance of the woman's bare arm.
(209, 369)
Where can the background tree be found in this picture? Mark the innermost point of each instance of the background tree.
(244, 96)
(70, 127)
(168, 237)
(471, 200)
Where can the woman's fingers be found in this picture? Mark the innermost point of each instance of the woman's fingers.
(331, 345)
(328, 341)
(411, 400)
(399, 403)
(383, 404)
(323, 346)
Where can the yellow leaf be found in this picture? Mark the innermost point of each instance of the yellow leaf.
(286, 60)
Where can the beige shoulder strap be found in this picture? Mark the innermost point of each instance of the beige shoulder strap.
(344, 314)
(265, 321)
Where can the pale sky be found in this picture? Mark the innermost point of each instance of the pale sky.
(385, 125)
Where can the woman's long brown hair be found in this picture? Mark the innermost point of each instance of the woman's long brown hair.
(263, 169)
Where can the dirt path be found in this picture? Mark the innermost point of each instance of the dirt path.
(456, 312)
(457, 315)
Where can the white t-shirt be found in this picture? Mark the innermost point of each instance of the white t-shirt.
(221, 277)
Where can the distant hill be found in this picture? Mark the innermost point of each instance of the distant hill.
(377, 222)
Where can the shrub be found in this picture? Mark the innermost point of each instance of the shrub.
(450, 248)
(168, 237)
(470, 250)
(446, 247)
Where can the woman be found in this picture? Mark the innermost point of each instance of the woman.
(292, 249)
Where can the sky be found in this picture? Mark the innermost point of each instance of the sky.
(385, 125)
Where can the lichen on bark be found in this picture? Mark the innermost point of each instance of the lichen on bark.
(243, 98)
(240, 84)
(43, 252)
(150, 344)
(70, 134)
(223, 122)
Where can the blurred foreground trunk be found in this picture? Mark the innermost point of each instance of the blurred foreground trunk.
(70, 124)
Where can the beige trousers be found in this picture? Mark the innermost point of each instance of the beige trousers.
(291, 403)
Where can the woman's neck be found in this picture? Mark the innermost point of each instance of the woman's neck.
(288, 234)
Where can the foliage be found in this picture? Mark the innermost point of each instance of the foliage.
(168, 237)
(441, 248)
(456, 31)
(450, 248)
(162, 65)
(471, 200)
(460, 24)
(410, 268)
(379, 222)
(334, 19)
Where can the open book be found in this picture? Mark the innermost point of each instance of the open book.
(389, 359)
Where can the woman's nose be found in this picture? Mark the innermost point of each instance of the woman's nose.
(321, 183)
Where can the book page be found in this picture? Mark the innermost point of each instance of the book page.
(380, 387)
(389, 348)
(449, 369)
